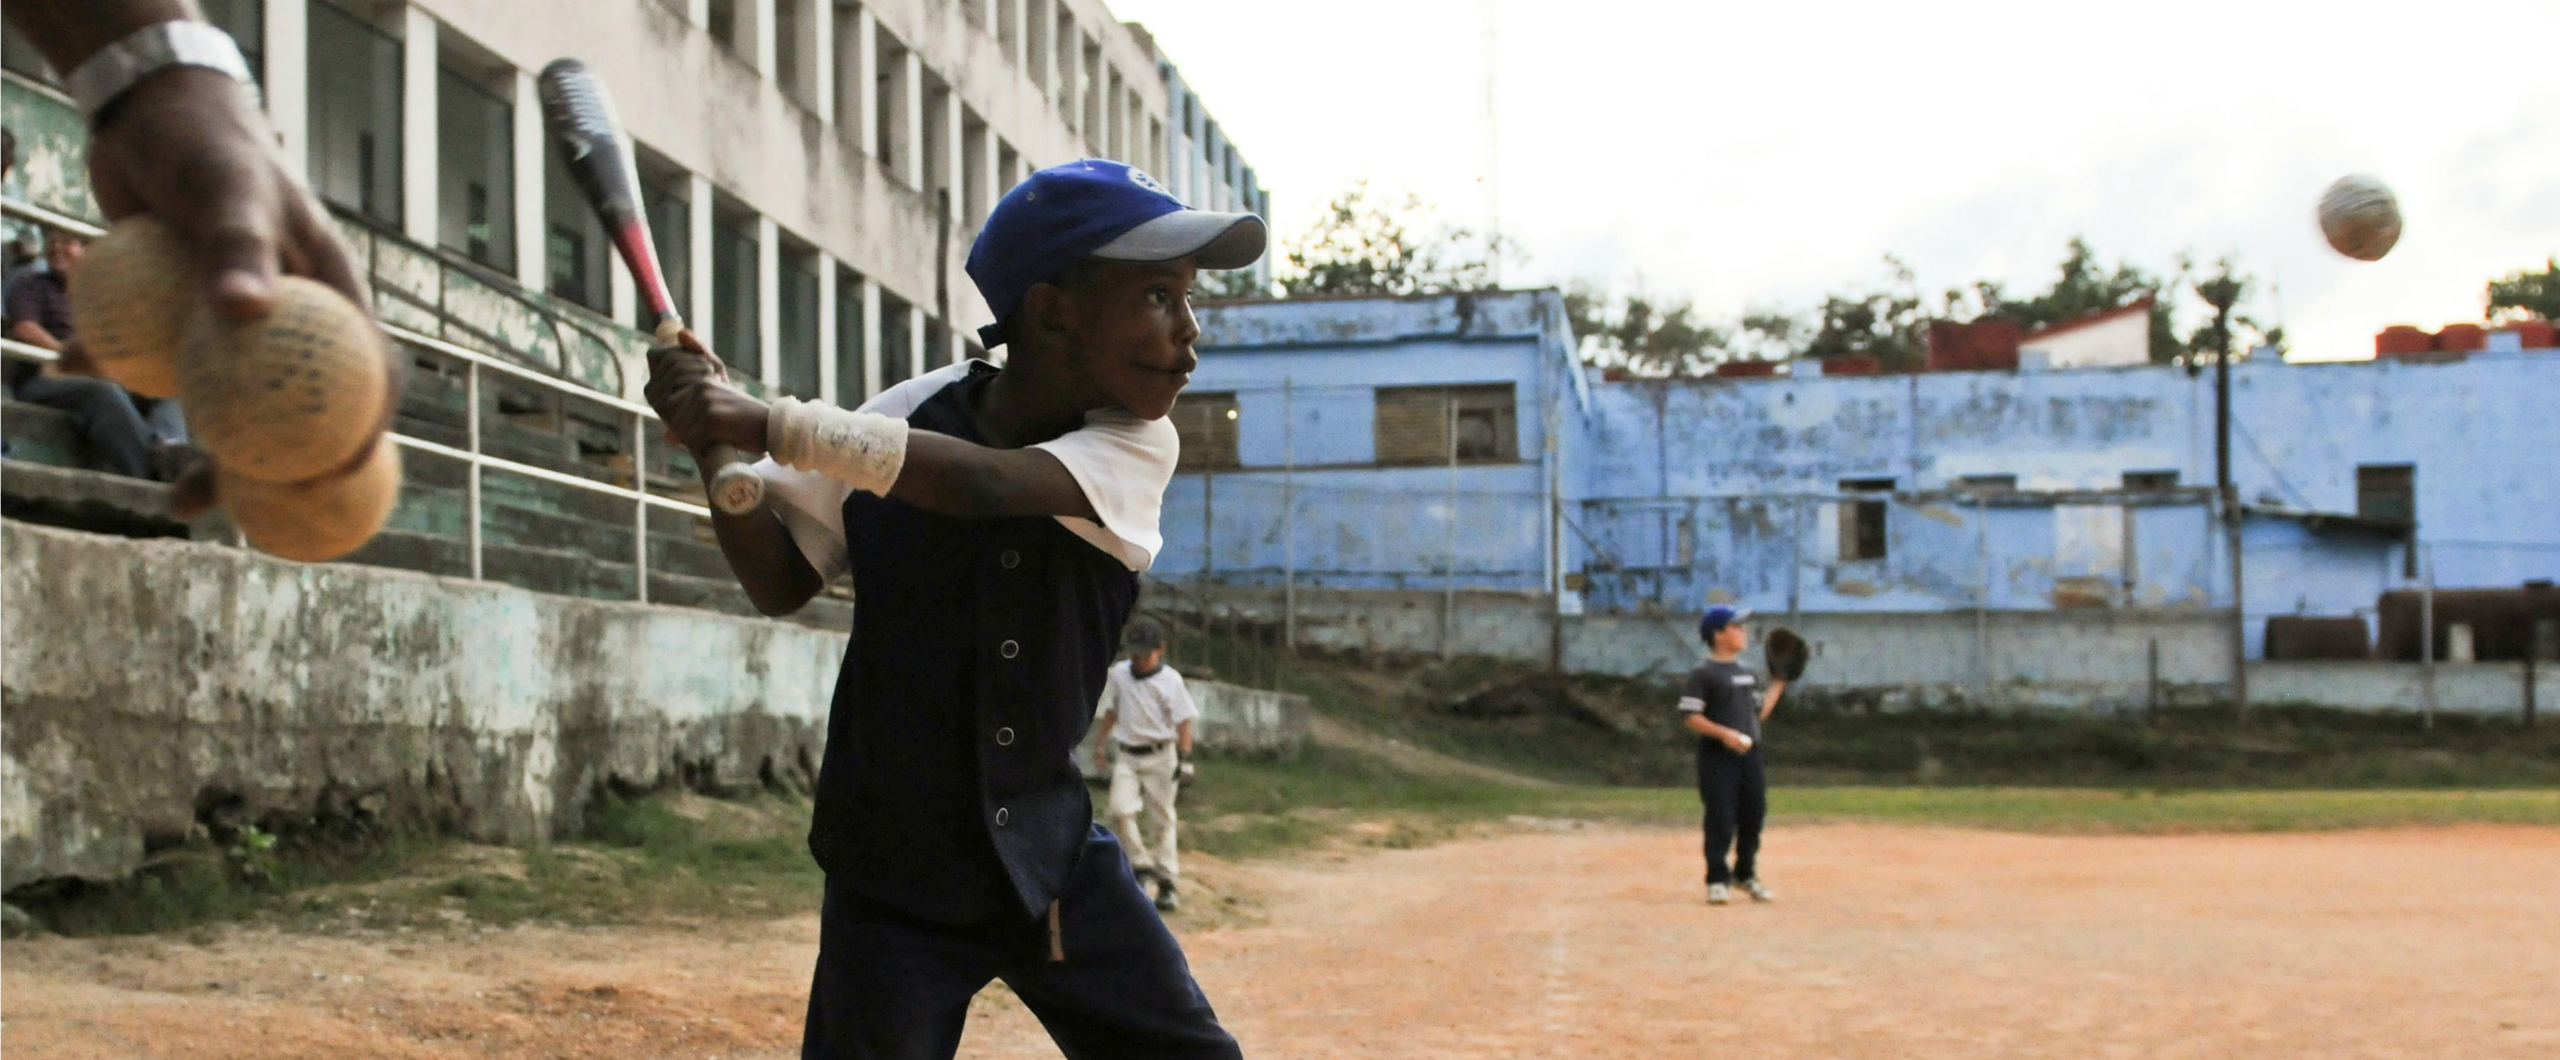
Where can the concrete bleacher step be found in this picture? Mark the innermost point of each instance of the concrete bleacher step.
(568, 573)
(39, 434)
(95, 501)
(675, 545)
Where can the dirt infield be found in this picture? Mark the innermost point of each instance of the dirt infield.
(1564, 942)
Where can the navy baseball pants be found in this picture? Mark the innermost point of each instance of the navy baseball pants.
(891, 987)
(1736, 794)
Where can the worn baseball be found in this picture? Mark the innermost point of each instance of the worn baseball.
(290, 395)
(2360, 217)
(318, 520)
(133, 295)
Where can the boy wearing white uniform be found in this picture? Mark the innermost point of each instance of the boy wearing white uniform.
(1146, 703)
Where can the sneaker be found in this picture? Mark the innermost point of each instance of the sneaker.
(1166, 900)
(1718, 894)
(1759, 891)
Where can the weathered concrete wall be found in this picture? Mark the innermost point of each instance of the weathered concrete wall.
(2461, 688)
(150, 682)
(1678, 493)
(1305, 377)
(2088, 660)
(1235, 721)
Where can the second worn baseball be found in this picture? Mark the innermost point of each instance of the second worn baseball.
(133, 295)
(319, 520)
(288, 396)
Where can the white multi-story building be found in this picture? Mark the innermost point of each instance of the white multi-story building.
(814, 170)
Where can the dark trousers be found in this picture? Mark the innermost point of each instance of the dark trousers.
(119, 425)
(889, 987)
(1736, 794)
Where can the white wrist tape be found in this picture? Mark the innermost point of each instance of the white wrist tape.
(864, 450)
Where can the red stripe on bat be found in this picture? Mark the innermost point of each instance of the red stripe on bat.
(633, 237)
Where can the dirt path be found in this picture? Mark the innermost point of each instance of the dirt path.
(1887, 941)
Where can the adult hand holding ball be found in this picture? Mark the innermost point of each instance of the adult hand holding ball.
(289, 405)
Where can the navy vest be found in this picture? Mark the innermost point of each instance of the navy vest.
(979, 649)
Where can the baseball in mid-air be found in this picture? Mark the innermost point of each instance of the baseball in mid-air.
(2360, 217)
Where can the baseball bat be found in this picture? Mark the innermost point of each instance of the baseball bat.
(582, 123)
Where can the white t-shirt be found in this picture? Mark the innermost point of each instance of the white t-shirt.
(1150, 708)
(1120, 461)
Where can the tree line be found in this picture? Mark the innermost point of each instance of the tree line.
(1364, 243)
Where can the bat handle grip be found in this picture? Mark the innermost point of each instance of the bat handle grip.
(735, 488)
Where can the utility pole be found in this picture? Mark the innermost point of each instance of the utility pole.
(2222, 292)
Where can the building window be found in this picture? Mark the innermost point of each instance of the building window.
(897, 340)
(721, 19)
(1089, 78)
(937, 142)
(2150, 480)
(246, 22)
(795, 56)
(736, 320)
(670, 219)
(799, 323)
(973, 169)
(1862, 522)
(937, 344)
(1414, 425)
(1206, 422)
(1987, 484)
(889, 95)
(476, 192)
(1007, 161)
(355, 115)
(2387, 493)
(1068, 84)
(577, 261)
(850, 392)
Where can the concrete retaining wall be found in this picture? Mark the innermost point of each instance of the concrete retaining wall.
(2093, 660)
(1234, 720)
(2461, 688)
(150, 684)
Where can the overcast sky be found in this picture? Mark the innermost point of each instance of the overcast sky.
(1765, 153)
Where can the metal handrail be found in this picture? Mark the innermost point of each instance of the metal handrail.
(642, 417)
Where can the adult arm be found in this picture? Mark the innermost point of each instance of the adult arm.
(189, 146)
(34, 334)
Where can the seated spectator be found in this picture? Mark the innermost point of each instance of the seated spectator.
(138, 437)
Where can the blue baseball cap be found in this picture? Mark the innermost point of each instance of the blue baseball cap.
(1718, 617)
(1095, 208)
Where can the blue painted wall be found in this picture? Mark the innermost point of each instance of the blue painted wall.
(1305, 376)
(1675, 494)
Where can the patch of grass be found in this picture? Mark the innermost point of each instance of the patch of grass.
(1593, 729)
(669, 855)
(208, 883)
(1289, 806)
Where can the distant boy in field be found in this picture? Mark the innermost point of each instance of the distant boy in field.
(994, 521)
(1724, 705)
(1145, 704)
